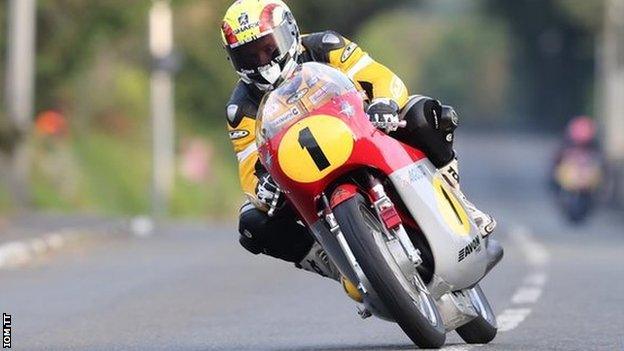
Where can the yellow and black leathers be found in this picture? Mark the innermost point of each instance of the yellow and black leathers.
(327, 47)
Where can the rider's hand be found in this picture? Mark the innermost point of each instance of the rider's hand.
(384, 114)
(268, 193)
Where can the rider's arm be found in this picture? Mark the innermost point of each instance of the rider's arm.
(376, 79)
(246, 153)
(241, 125)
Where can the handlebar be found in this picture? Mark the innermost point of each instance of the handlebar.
(383, 125)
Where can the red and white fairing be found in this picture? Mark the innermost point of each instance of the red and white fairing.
(313, 130)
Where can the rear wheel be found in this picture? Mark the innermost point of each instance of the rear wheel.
(405, 297)
(482, 329)
(576, 206)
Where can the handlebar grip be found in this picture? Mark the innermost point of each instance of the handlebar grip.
(401, 124)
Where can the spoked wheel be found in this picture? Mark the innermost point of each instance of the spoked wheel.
(482, 329)
(405, 296)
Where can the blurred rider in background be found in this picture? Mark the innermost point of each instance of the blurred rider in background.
(580, 136)
(264, 45)
(579, 173)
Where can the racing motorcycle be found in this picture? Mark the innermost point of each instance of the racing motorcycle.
(577, 178)
(399, 235)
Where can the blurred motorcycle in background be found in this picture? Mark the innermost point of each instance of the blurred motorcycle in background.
(579, 176)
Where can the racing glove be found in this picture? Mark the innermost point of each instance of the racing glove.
(268, 193)
(384, 114)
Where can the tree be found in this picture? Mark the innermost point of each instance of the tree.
(553, 57)
(343, 16)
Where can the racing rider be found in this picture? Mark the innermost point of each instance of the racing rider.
(264, 45)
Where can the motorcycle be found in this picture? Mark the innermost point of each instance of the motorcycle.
(577, 177)
(399, 235)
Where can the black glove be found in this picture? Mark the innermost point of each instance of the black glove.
(384, 114)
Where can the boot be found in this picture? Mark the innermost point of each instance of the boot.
(485, 222)
(318, 262)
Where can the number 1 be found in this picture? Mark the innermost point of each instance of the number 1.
(307, 141)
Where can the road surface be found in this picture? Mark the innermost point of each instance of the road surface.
(191, 287)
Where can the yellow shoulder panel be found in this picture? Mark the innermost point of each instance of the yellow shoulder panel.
(361, 68)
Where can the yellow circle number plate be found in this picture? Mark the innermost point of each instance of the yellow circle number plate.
(314, 147)
(452, 211)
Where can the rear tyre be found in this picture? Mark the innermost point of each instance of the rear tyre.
(362, 230)
(482, 329)
(576, 206)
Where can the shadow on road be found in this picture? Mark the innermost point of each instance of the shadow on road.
(387, 347)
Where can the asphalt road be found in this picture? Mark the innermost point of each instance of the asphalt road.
(191, 287)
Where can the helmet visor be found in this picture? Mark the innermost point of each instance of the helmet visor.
(269, 48)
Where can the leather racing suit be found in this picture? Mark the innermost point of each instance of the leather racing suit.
(429, 127)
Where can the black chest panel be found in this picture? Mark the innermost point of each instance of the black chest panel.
(319, 45)
(244, 102)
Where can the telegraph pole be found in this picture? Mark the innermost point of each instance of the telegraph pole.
(19, 92)
(613, 93)
(162, 105)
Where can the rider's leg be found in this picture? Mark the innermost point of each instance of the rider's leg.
(484, 221)
(283, 237)
(430, 127)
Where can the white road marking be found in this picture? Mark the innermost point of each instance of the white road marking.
(57, 240)
(536, 279)
(39, 246)
(537, 256)
(511, 318)
(535, 253)
(459, 347)
(19, 253)
(14, 253)
(526, 295)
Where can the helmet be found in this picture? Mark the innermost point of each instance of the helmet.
(581, 130)
(262, 40)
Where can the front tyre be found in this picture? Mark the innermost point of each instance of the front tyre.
(411, 307)
(482, 329)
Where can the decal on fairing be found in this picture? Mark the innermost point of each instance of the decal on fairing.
(474, 246)
(297, 96)
(453, 213)
(314, 147)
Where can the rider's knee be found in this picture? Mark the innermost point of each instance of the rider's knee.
(431, 127)
(279, 236)
(251, 226)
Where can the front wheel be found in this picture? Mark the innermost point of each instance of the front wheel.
(482, 329)
(405, 298)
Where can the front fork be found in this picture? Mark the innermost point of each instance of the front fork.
(328, 214)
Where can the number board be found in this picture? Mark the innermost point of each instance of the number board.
(314, 147)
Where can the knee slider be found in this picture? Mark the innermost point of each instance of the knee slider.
(432, 125)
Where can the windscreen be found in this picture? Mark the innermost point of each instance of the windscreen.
(310, 87)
